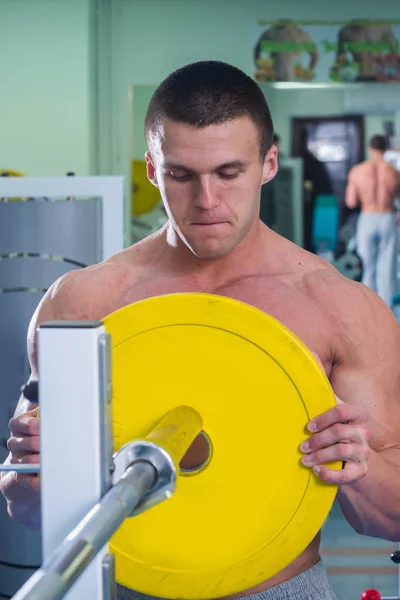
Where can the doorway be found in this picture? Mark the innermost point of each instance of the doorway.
(330, 147)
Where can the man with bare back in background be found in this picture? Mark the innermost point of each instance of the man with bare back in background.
(374, 185)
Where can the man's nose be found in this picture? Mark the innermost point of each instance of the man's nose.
(205, 193)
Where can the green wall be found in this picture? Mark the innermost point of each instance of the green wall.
(68, 64)
(152, 38)
(45, 96)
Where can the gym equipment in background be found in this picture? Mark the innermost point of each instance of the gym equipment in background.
(145, 196)
(372, 594)
(41, 240)
(325, 225)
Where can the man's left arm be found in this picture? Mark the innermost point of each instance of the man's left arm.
(351, 196)
(363, 430)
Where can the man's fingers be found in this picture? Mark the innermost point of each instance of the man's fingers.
(22, 445)
(351, 472)
(16, 484)
(29, 481)
(30, 459)
(340, 432)
(342, 413)
(26, 424)
(339, 452)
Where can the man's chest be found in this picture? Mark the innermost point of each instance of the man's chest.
(284, 302)
(291, 307)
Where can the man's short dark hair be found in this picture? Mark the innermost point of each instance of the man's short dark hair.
(210, 93)
(276, 139)
(379, 143)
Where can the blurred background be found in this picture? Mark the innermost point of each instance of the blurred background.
(77, 76)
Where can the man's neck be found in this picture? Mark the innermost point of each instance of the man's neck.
(377, 158)
(238, 262)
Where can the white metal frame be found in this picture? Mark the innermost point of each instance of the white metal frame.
(72, 451)
(109, 189)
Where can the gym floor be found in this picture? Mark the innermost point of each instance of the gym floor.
(356, 563)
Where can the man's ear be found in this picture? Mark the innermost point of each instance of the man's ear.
(270, 166)
(151, 169)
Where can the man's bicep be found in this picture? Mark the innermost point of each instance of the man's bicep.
(369, 371)
(42, 313)
(49, 308)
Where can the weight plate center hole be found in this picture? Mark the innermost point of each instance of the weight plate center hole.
(197, 456)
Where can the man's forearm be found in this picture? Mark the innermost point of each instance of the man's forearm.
(372, 504)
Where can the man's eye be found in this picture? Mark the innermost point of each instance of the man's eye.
(228, 175)
(184, 177)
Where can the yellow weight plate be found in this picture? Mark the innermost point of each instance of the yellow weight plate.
(253, 508)
(11, 173)
(145, 196)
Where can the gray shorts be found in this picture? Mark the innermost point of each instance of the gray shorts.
(309, 585)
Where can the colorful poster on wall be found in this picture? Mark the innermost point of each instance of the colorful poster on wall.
(322, 52)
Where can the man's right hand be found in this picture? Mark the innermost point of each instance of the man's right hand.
(22, 490)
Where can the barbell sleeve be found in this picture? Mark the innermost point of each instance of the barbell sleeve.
(53, 580)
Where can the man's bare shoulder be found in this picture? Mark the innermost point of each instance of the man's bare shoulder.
(94, 292)
(389, 167)
(323, 281)
(89, 293)
(356, 311)
(318, 275)
(314, 276)
(391, 171)
(359, 170)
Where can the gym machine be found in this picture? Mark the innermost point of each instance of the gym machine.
(85, 501)
(48, 227)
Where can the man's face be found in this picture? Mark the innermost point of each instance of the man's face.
(210, 181)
